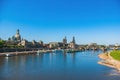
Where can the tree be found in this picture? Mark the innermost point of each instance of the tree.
(2, 43)
(9, 39)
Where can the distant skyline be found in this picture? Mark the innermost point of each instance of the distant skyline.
(51, 20)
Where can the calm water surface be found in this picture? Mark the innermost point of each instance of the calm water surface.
(56, 66)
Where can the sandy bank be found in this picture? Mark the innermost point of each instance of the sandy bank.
(107, 60)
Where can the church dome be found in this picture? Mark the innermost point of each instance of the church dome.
(17, 35)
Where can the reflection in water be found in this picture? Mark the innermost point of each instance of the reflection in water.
(56, 66)
(64, 58)
(51, 55)
(73, 58)
(114, 73)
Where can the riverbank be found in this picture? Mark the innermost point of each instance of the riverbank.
(9, 54)
(17, 53)
(109, 61)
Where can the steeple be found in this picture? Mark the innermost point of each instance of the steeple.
(73, 40)
(65, 40)
(18, 31)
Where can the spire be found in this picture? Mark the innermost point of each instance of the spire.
(65, 37)
(18, 31)
(65, 40)
(73, 39)
(17, 36)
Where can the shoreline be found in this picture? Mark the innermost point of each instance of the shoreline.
(17, 53)
(10, 54)
(107, 60)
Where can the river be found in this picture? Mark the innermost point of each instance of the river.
(56, 66)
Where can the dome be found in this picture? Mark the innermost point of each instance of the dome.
(17, 35)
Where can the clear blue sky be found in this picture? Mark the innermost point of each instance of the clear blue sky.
(50, 20)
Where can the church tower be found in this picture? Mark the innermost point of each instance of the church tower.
(73, 40)
(18, 36)
(72, 43)
(65, 40)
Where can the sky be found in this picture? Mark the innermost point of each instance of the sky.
(89, 21)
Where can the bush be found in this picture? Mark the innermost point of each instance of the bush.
(2, 43)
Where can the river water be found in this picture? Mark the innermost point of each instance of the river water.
(56, 66)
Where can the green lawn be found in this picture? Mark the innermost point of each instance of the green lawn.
(115, 54)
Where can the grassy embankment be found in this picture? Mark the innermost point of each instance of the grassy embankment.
(115, 54)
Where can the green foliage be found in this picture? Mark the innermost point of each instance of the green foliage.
(72, 51)
(14, 46)
(102, 46)
(2, 43)
(115, 54)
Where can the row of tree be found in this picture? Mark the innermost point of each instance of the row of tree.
(4, 45)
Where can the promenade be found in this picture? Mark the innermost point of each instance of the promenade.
(8, 54)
